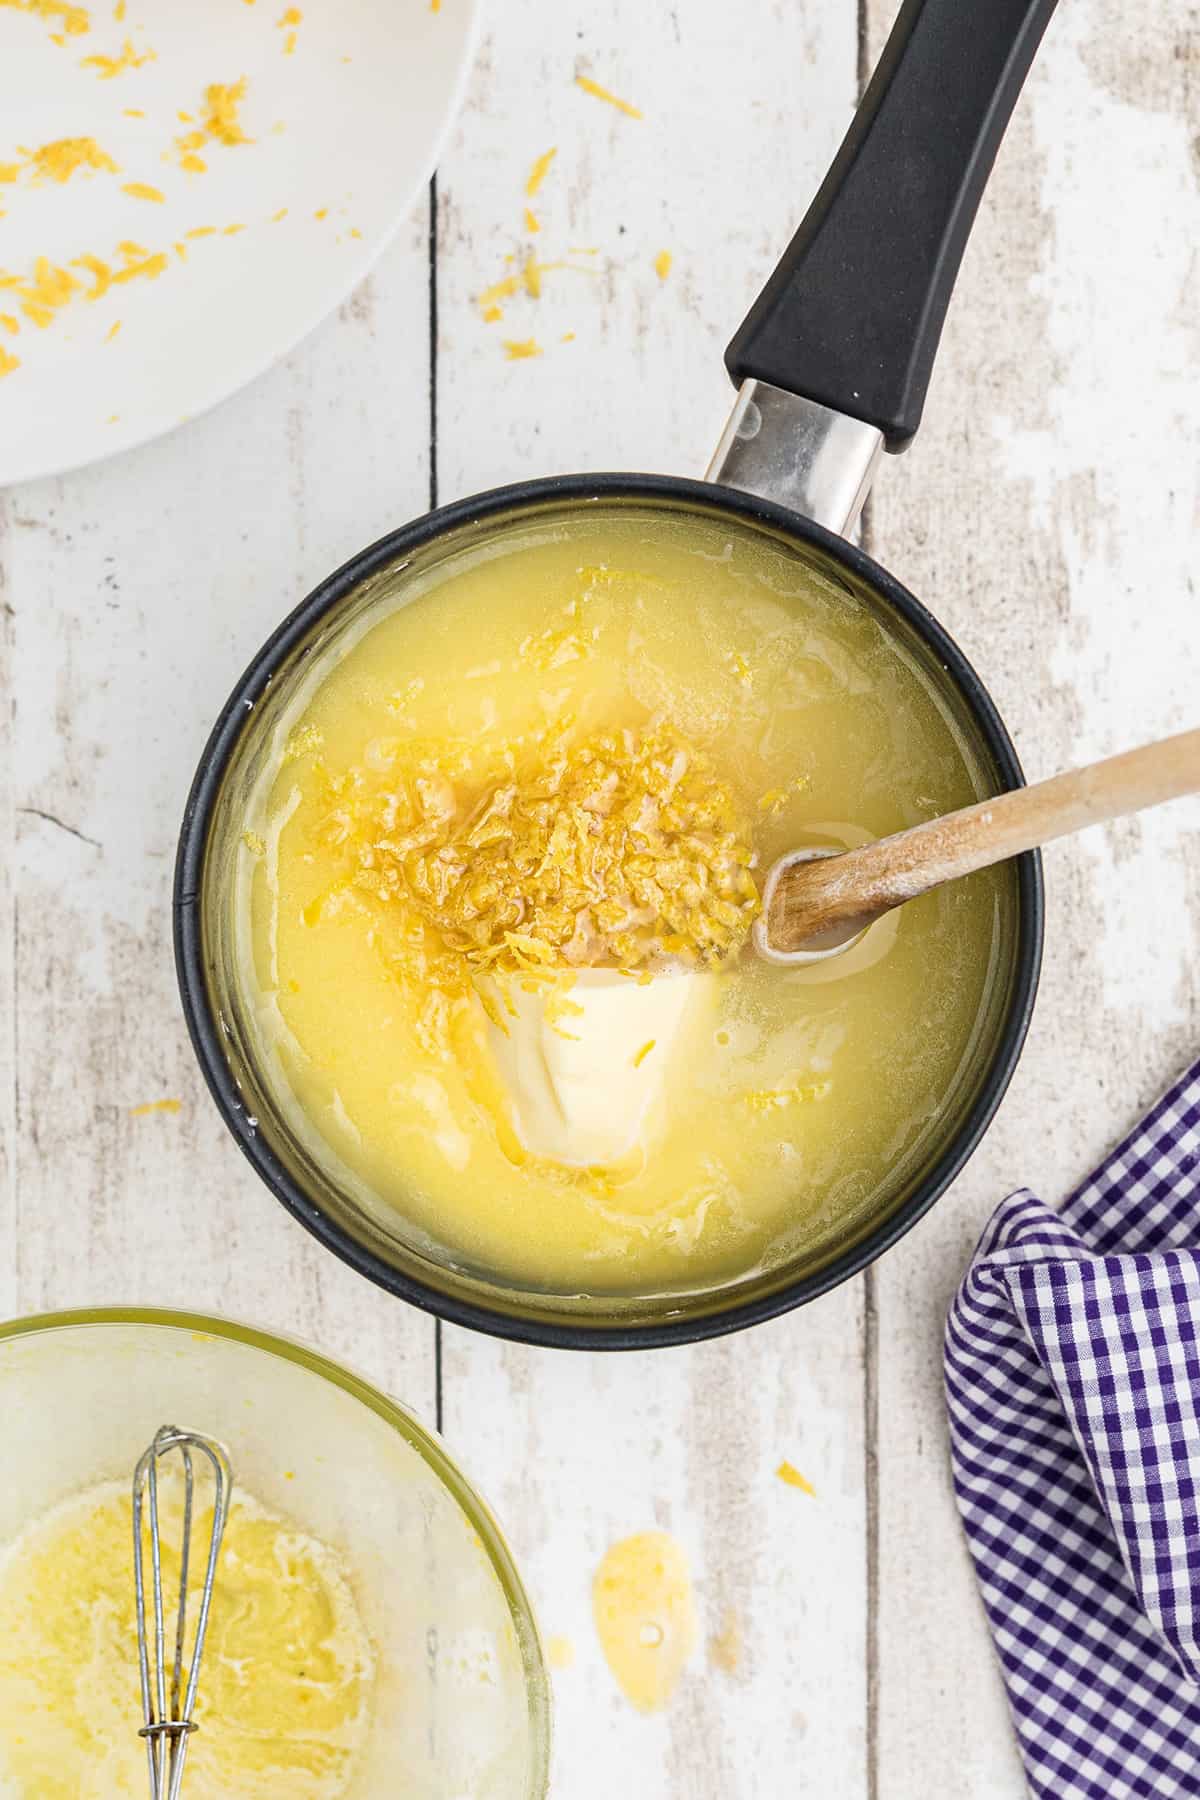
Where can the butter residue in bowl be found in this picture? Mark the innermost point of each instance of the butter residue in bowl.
(284, 1703)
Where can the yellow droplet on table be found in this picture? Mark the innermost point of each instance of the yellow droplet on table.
(645, 1616)
(560, 1653)
(154, 1106)
(662, 264)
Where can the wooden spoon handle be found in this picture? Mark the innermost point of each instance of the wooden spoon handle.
(848, 891)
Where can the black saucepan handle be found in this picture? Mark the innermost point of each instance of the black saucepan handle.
(852, 316)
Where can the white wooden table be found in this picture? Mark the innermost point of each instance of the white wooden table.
(1047, 513)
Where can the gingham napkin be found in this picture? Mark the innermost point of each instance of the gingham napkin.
(1073, 1385)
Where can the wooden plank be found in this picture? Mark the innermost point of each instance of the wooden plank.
(138, 591)
(1047, 514)
(8, 1016)
(579, 1451)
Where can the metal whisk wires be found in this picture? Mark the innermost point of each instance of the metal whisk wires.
(167, 1707)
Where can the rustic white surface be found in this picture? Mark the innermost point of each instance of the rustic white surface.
(1047, 514)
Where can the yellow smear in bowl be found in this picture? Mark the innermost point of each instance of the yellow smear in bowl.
(284, 1704)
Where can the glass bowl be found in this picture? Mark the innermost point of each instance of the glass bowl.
(462, 1696)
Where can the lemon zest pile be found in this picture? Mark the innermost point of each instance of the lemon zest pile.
(219, 124)
(221, 120)
(73, 19)
(8, 362)
(600, 93)
(523, 859)
(112, 66)
(50, 287)
(59, 160)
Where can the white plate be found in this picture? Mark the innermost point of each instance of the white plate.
(349, 123)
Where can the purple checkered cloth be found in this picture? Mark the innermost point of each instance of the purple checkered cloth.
(1073, 1385)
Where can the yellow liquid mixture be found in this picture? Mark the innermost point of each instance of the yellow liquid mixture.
(792, 1100)
(284, 1700)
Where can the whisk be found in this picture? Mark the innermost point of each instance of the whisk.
(167, 1731)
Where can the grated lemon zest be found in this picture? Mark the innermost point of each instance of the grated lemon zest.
(142, 190)
(521, 349)
(59, 160)
(100, 272)
(112, 66)
(600, 93)
(221, 122)
(539, 171)
(793, 1478)
(526, 858)
(789, 1093)
(74, 19)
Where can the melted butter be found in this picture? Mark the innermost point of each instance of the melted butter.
(645, 1616)
(799, 1101)
(585, 1095)
(285, 1685)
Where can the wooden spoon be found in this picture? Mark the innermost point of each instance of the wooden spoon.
(832, 897)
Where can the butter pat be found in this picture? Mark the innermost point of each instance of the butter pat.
(583, 1083)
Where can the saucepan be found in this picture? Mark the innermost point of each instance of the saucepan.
(831, 367)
